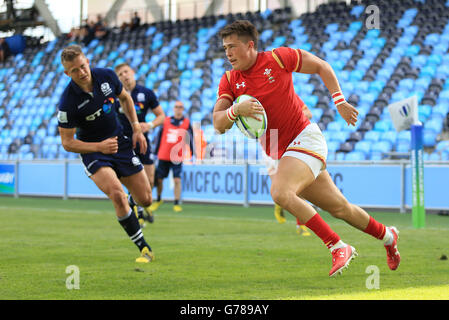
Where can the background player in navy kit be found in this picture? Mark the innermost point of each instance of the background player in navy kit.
(87, 108)
(144, 100)
(173, 137)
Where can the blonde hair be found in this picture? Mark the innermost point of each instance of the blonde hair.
(121, 65)
(71, 52)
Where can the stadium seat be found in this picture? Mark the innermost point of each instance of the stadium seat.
(382, 125)
(381, 147)
(442, 146)
(390, 136)
(404, 136)
(332, 146)
(376, 156)
(434, 125)
(403, 146)
(363, 146)
(429, 138)
(355, 156)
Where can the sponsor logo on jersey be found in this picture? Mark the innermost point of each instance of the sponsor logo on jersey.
(141, 97)
(62, 117)
(107, 105)
(139, 107)
(238, 85)
(83, 104)
(106, 88)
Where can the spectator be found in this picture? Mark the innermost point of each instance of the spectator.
(74, 35)
(100, 29)
(135, 21)
(10, 10)
(87, 32)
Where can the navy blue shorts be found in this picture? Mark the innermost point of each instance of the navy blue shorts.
(163, 168)
(125, 162)
(146, 158)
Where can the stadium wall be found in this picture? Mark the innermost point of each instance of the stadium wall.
(386, 184)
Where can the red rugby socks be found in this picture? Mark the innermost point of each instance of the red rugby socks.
(376, 229)
(322, 230)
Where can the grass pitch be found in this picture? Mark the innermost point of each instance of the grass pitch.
(208, 252)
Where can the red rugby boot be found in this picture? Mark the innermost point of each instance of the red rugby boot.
(341, 258)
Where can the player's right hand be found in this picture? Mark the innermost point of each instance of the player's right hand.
(109, 146)
(249, 108)
(348, 113)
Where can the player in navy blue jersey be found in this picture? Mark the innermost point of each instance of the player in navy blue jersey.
(86, 108)
(144, 100)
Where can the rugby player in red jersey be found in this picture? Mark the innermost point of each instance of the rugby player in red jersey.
(297, 144)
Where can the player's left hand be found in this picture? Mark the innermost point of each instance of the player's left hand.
(348, 113)
(145, 127)
(138, 137)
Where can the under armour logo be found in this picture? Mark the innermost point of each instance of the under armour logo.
(238, 85)
(396, 249)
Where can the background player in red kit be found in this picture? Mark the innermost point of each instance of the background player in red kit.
(298, 144)
(174, 137)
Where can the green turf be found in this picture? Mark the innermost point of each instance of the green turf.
(205, 252)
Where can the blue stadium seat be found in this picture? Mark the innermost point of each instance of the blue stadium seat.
(266, 34)
(340, 156)
(332, 146)
(376, 156)
(441, 48)
(363, 146)
(442, 146)
(355, 156)
(442, 71)
(381, 146)
(432, 39)
(404, 136)
(412, 50)
(339, 136)
(390, 136)
(428, 71)
(356, 25)
(443, 98)
(435, 157)
(429, 138)
(383, 125)
(295, 24)
(334, 126)
(424, 111)
(434, 126)
(331, 28)
(403, 146)
(316, 114)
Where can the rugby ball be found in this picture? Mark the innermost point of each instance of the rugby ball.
(250, 127)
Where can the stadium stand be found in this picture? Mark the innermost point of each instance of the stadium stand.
(184, 59)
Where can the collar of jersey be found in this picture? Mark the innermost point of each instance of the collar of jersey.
(248, 71)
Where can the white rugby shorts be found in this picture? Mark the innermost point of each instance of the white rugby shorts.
(309, 146)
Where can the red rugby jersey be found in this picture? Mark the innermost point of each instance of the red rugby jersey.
(171, 137)
(270, 81)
